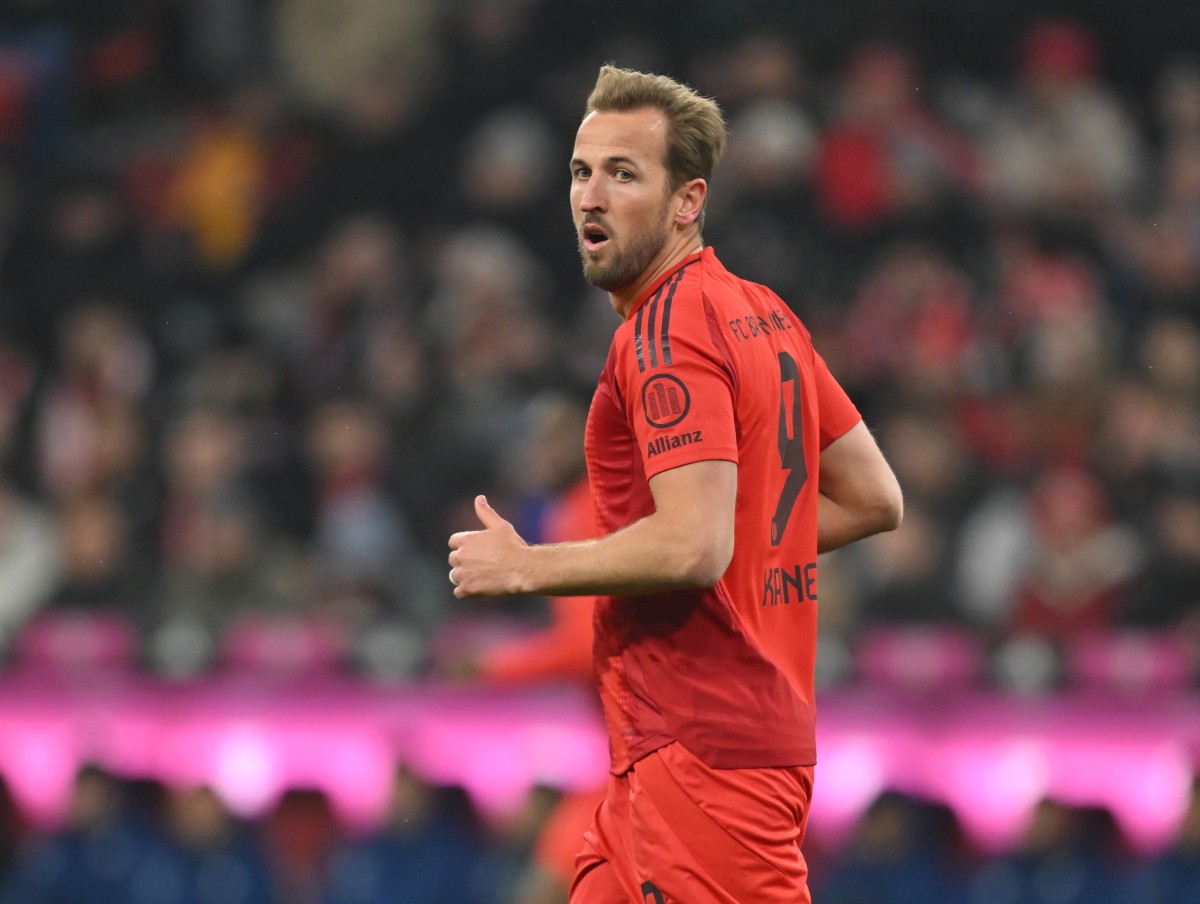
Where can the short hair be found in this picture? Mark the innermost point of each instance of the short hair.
(696, 129)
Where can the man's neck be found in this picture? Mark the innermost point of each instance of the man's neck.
(679, 248)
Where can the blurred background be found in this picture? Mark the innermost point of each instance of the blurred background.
(285, 283)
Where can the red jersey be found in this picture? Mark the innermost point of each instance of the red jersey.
(710, 366)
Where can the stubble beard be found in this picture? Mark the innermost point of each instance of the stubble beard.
(625, 264)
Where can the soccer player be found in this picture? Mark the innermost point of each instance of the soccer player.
(722, 457)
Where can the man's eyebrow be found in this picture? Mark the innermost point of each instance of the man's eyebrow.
(610, 161)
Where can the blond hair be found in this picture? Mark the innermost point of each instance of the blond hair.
(696, 129)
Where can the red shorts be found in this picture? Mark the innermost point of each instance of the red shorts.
(674, 830)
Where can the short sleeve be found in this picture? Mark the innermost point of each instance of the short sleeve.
(838, 413)
(677, 389)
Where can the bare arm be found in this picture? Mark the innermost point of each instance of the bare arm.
(859, 495)
(686, 542)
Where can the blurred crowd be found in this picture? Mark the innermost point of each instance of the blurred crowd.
(282, 289)
(279, 294)
(140, 842)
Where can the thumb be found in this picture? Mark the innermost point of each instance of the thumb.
(488, 515)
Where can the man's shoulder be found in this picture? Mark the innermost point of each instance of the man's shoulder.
(719, 285)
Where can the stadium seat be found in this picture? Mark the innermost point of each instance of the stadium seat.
(76, 642)
(1130, 661)
(919, 657)
(283, 645)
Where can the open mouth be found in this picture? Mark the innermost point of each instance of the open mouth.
(594, 238)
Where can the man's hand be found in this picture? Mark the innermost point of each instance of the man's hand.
(484, 562)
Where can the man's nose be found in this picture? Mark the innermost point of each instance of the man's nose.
(592, 196)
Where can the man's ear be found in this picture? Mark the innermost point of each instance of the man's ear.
(691, 196)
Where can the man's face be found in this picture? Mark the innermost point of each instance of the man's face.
(620, 195)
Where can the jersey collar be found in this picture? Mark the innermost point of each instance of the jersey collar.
(705, 252)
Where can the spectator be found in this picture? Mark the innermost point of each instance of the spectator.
(1081, 560)
(88, 433)
(889, 862)
(1064, 144)
(300, 833)
(101, 571)
(228, 566)
(234, 167)
(1166, 591)
(30, 561)
(1060, 861)
(205, 456)
(323, 60)
(360, 283)
(81, 245)
(367, 566)
(428, 852)
(886, 154)
(93, 857)
(199, 853)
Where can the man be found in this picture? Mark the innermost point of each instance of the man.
(722, 457)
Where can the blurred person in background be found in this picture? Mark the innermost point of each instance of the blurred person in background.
(1050, 560)
(361, 280)
(1067, 856)
(229, 565)
(1064, 144)
(205, 455)
(890, 860)
(757, 65)
(1158, 238)
(430, 850)
(199, 853)
(204, 458)
(642, 158)
(505, 181)
(493, 343)
(80, 245)
(250, 384)
(1146, 436)
(900, 577)
(1166, 591)
(102, 568)
(380, 152)
(765, 219)
(553, 472)
(322, 59)
(366, 565)
(300, 834)
(1082, 560)
(88, 430)
(92, 858)
(886, 156)
(1054, 327)
(30, 559)
(235, 167)
(18, 371)
(911, 327)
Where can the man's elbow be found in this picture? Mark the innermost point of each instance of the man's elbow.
(702, 563)
(890, 508)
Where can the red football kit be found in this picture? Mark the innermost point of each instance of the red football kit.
(710, 366)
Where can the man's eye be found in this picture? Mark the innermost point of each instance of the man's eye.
(623, 174)
(582, 173)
